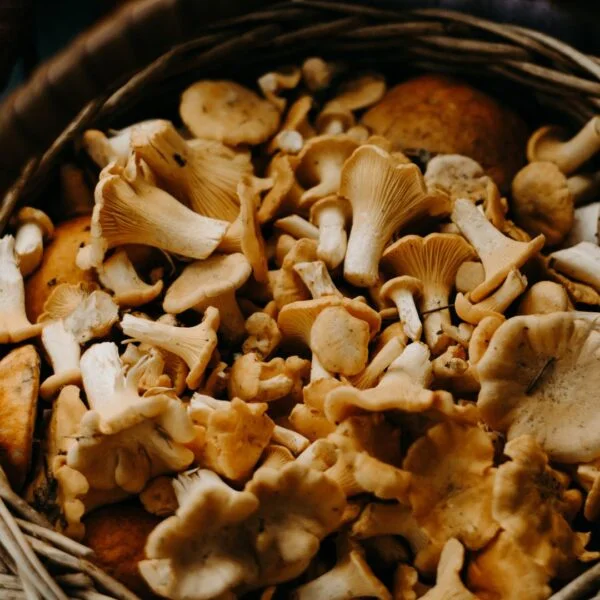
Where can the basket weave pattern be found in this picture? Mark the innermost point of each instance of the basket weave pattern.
(109, 70)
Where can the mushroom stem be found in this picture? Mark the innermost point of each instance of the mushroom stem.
(407, 311)
(382, 360)
(317, 370)
(29, 247)
(568, 155)
(365, 247)
(333, 238)
(64, 354)
(297, 227)
(584, 187)
(434, 320)
(14, 325)
(232, 323)
(292, 440)
(316, 278)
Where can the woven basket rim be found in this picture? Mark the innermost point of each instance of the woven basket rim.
(558, 74)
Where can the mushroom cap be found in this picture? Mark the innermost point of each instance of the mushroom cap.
(58, 264)
(445, 115)
(542, 201)
(404, 282)
(539, 377)
(334, 112)
(204, 280)
(28, 214)
(227, 112)
(333, 201)
(361, 91)
(19, 386)
(64, 299)
(545, 297)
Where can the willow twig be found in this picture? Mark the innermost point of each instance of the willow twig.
(58, 539)
(437, 309)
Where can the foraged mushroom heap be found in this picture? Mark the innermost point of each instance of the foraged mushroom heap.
(331, 376)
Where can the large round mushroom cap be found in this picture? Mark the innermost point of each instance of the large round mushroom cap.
(227, 112)
(444, 115)
(205, 279)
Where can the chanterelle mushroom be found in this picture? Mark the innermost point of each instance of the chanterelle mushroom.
(331, 215)
(125, 439)
(129, 210)
(434, 261)
(33, 228)
(203, 176)
(538, 377)
(498, 253)
(384, 197)
(227, 112)
(581, 262)
(212, 282)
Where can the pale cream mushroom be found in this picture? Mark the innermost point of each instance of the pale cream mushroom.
(469, 275)
(227, 112)
(273, 83)
(295, 442)
(204, 176)
(331, 215)
(276, 456)
(538, 377)
(118, 274)
(402, 291)
(316, 278)
(289, 141)
(434, 261)
(64, 299)
(550, 143)
(320, 166)
(33, 228)
(284, 196)
(296, 119)
(497, 303)
(64, 353)
(383, 358)
(129, 210)
(14, 324)
(297, 227)
(498, 253)
(585, 225)
(212, 282)
(195, 345)
(350, 578)
(578, 292)
(286, 284)
(384, 196)
(334, 119)
(581, 262)
(93, 317)
(263, 335)
(544, 297)
(317, 73)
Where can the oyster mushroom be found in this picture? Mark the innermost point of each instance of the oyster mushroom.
(550, 143)
(33, 228)
(212, 282)
(540, 370)
(384, 196)
(498, 253)
(331, 215)
(434, 261)
(202, 176)
(227, 112)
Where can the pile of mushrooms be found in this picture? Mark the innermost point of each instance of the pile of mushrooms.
(331, 374)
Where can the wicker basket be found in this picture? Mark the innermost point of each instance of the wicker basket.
(104, 77)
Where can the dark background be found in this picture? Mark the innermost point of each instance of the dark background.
(31, 30)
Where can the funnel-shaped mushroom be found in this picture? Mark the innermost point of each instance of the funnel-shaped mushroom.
(539, 377)
(550, 143)
(194, 345)
(498, 253)
(204, 176)
(331, 215)
(212, 282)
(384, 197)
(402, 291)
(433, 260)
(129, 210)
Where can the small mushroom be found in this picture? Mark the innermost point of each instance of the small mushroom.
(227, 112)
(331, 215)
(158, 497)
(212, 282)
(334, 119)
(298, 227)
(33, 228)
(550, 143)
(204, 176)
(286, 284)
(316, 278)
(296, 120)
(498, 253)
(118, 274)
(273, 83)
(434, 261)
(194, 345)
(581, 262)
(310, 422)
(320, 166)
(129, 210)
(585, 225)
(469, 275)
(541, 370)
(384, 196)
(544, 297)
(19, 385)
(284, 196)
(263, 335)
(317, 73)
(402, 291)
(383, 358)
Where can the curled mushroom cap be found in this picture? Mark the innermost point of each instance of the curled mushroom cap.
(542, 201)
(550, 143)
(203, 176)
(227, 112)
(532, 504)
(433, 260)
(498, 253)
(384, 197)
(538, 377)
(453, 475)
